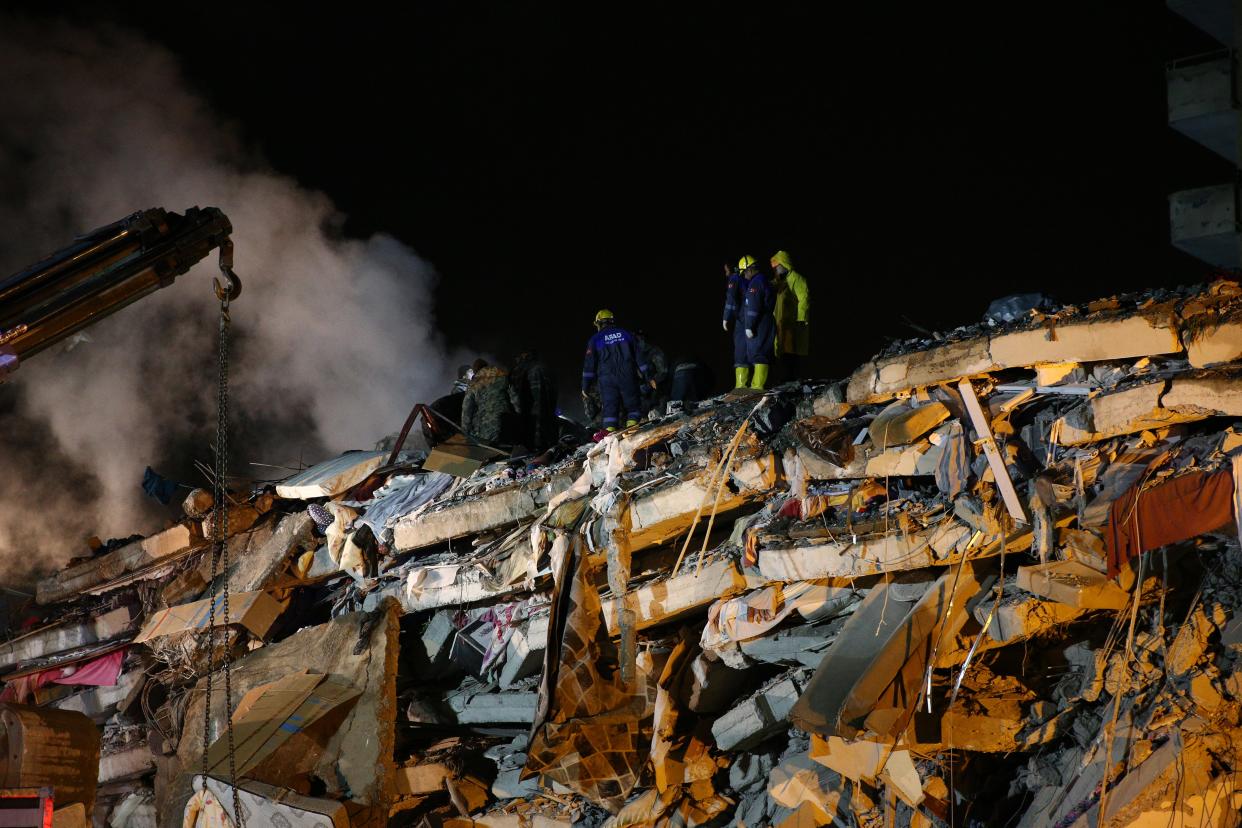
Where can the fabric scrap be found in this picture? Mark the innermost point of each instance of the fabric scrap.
(1176, 510)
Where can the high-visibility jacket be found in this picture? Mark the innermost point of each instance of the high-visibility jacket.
(793, 305)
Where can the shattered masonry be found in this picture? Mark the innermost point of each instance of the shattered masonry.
(989, 579)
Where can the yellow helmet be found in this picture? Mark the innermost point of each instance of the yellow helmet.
(745, 262)
(603, 315)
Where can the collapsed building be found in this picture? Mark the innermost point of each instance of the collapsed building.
(989, 579)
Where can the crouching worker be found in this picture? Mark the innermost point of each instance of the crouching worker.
(613, 362)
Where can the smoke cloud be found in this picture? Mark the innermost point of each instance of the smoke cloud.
(334, 337)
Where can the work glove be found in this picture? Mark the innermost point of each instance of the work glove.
(725, 324)
(652, 383)
(750, 334)
(585, 396)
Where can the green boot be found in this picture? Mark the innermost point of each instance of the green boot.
(761, 377)
(742, 376)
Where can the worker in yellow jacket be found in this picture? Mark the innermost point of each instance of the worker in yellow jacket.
(793, 315)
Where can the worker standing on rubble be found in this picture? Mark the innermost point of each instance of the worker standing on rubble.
(614, 363)
(734, 295)
(489, 403)
(652, 355)
(535, 390)
(749, 304)
(793, 315)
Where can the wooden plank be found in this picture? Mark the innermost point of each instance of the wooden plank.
(997, 463)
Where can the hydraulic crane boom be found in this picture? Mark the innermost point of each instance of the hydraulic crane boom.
(104, 271)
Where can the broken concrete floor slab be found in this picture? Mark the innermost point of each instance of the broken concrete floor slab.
(352, 756)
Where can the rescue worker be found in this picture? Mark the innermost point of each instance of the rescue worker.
(793, 315)
(614, 363)
(535, 390)
(488, 405)
(652, 355)
(691, 380)
(749, 303)
(734, 294)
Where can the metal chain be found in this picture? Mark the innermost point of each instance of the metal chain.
(220, 564)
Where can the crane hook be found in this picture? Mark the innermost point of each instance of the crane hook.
(226, 267)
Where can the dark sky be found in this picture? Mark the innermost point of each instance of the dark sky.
(551, 159)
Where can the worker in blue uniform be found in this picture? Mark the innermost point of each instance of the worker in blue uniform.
(750, 301)
(614, 362)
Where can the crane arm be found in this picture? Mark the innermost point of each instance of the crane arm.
(104, 271)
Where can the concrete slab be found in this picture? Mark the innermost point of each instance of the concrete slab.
(670, 599)
(867, 556)
(1081, 341)
(332, 477)
(101, 702)
(1123, 412)
(474, 515)
(68, 636)
(69, 582)
(354, 758)
(1211, 395)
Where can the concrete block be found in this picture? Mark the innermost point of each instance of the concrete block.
(438, 636)
(525, 651)
(1083, 341)
(761, 715)
(129, 763)
(510, 707)
(1024, 618)
(901, 424)
(1072, 583)
(510, 785)
(1216, 346)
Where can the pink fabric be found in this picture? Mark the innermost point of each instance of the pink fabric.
(102, 671)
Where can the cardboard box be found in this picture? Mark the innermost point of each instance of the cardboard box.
(459, 458)
(269, 714)
(256, 611)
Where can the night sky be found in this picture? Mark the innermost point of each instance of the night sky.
(552, 159)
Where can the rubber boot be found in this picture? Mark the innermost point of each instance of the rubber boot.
(741, 376)
(761, 378)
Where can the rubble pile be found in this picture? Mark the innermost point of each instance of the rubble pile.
(989, 579)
